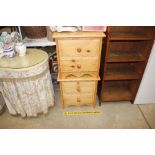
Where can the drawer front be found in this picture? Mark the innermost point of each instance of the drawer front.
(85, 99)
(78, 76)
(79, 65)
(78, 87)
(79, 47)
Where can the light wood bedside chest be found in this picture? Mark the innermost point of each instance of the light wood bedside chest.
(78, 66)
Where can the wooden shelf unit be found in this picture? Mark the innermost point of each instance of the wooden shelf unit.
(123, 62)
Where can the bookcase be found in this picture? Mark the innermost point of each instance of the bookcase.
(123, 61)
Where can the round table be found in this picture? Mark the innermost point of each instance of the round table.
(26, 84)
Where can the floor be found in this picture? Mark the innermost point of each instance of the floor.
(113, 115)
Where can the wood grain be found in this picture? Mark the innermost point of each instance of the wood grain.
(79, 47)
(78, 87)
(78, 62)
(78, 34)
(122, 71)
(79, 65)
(117, 91)
(78, 100)
(78, 76)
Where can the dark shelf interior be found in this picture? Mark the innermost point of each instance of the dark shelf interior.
(129, 36)
(127, 51)
(131, 32)
(122, 71)
(125, 56)
(118, 91)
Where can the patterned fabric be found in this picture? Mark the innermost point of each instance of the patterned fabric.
(1, 104)
(27, 92)
(29, 72)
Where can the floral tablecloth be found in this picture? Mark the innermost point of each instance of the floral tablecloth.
(27, 91)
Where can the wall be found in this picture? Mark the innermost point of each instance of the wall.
(146, 92)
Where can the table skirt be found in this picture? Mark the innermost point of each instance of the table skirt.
(28, 95)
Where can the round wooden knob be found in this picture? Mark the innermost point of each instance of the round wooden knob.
(88, 51)
(78, 83)
(78, 89)
(78, 100)
(78, 66)
(79, 50)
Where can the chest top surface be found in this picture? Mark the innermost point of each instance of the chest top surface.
(32, 58)
(78, 34)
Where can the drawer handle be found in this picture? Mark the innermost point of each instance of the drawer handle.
(72, 66)
(73, 60)
(86, 75)
(71, 76)
(88, 51)
(76, 76)
(78, 66)
(78, 89)
(79, 50)
(78, 83)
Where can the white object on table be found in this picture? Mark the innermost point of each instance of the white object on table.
(64, 28)
(20, 48)
(26, 83)
(1, 53)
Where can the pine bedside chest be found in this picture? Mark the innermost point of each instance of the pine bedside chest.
(78, 64)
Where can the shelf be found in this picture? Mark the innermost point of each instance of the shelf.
(129, 36)
(125, 56)
(38, 42)
(117, 91)
(127, 51)
(121, 71)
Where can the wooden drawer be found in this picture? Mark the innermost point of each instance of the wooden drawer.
(84, 99)
(79, 47)
(79, 65)
(78, 87)
(78, 76)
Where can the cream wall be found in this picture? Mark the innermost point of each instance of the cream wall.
(146, 92)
